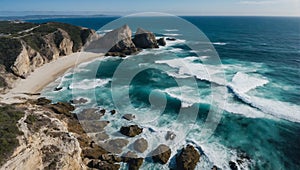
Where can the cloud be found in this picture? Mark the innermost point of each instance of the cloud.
(261, 2)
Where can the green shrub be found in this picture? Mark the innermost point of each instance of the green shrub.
(9, 50)
(9, 117)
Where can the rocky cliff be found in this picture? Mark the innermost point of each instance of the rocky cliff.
(26, 46)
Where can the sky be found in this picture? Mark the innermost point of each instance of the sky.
(175, 7)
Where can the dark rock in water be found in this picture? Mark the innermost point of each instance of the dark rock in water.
(89, 114)
(140, 145)
(103, 165)
(144, 39)
(126, 157)
(215, 168)
(171, 39)
(57, 88)
(115, 145)
(101, 136)
(170, 135)
(79, 101)
(63, 108)
(112, 112)
(93, 153)
(233, 165)
(188, 158)
(110, 158)
(161, 154)
(162, 42)
(102, 111)
(134, 163)
(93, 126)
(117, 43)
(129, 117)
(131, 131)
(43, 101)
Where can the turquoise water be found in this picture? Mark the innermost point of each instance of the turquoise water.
(261, 114)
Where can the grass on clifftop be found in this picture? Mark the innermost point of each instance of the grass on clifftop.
(9, 117)
(9, 27)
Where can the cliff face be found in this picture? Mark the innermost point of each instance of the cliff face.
(28, 46)
(45, 142)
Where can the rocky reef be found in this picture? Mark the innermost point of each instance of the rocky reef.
(119, 42)
(27, 46)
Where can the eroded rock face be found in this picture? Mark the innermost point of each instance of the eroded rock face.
(131, 131)
(140, 145)
(43, 44)
(188, 158)
(115, 43)
(161, 154)
(144, 39)
(45, 144)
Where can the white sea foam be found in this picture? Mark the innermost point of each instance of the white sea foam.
(187, 66)
(171, 30)
(219, 43)
(243, 83)
(172, 34)
(88, 84)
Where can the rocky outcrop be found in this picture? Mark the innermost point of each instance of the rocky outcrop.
(131, 131)
(162, 42)
(144, 39)
(188, 158)
(161, 154)
(140, 145)
(115, 43)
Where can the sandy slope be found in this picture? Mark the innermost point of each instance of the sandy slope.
(44, 75)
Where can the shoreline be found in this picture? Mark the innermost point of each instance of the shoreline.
(44, 75)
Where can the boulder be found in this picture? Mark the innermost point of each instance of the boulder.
(162, 42)
(89, 114)
(134, 163)
(117, 43)
(131, 131)
(115, 145)
(103, 165)
(101, 136)
(129, 117)
(215, 168)
(144, 39)
(161, 154)
(170, 135)
(93, 126)
(79, 101)
(57, 88)
(140, 145)
(112, 112)
(188, 158)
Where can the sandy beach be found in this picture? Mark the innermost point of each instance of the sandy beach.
(44, 75)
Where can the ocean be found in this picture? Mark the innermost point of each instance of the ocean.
(252, 85)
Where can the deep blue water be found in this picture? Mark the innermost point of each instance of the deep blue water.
(259, 54)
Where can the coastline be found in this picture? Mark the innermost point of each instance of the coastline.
(44, 75)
